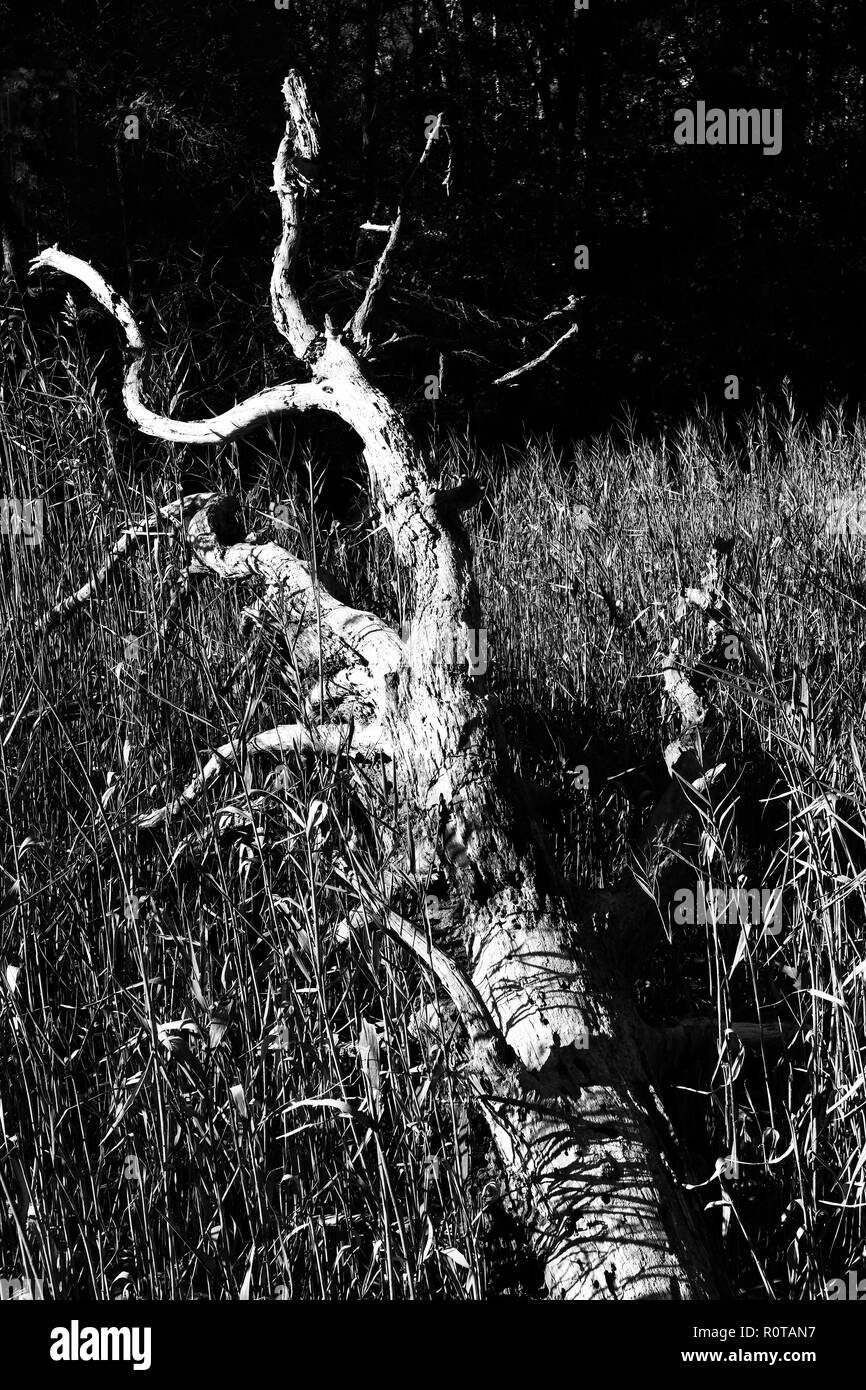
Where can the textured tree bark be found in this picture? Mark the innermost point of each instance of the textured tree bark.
(559, 1054)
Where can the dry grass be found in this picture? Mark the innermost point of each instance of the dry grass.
(789, 815)
(212, 1086)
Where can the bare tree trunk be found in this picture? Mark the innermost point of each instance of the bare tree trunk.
(561, 1062)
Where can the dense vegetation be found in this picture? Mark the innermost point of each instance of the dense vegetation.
(195, 1001)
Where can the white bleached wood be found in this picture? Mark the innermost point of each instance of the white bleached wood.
(570, 1116)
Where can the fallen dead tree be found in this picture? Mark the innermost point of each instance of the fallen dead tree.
(563, 1067)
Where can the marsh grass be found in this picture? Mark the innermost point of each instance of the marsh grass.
(217, 1079)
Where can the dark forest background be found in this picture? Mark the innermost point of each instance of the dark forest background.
(558, 131)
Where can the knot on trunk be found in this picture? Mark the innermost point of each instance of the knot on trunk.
(217, 524)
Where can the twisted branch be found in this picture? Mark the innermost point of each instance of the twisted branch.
(294, 739)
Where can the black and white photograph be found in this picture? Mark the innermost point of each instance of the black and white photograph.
(432, 680)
